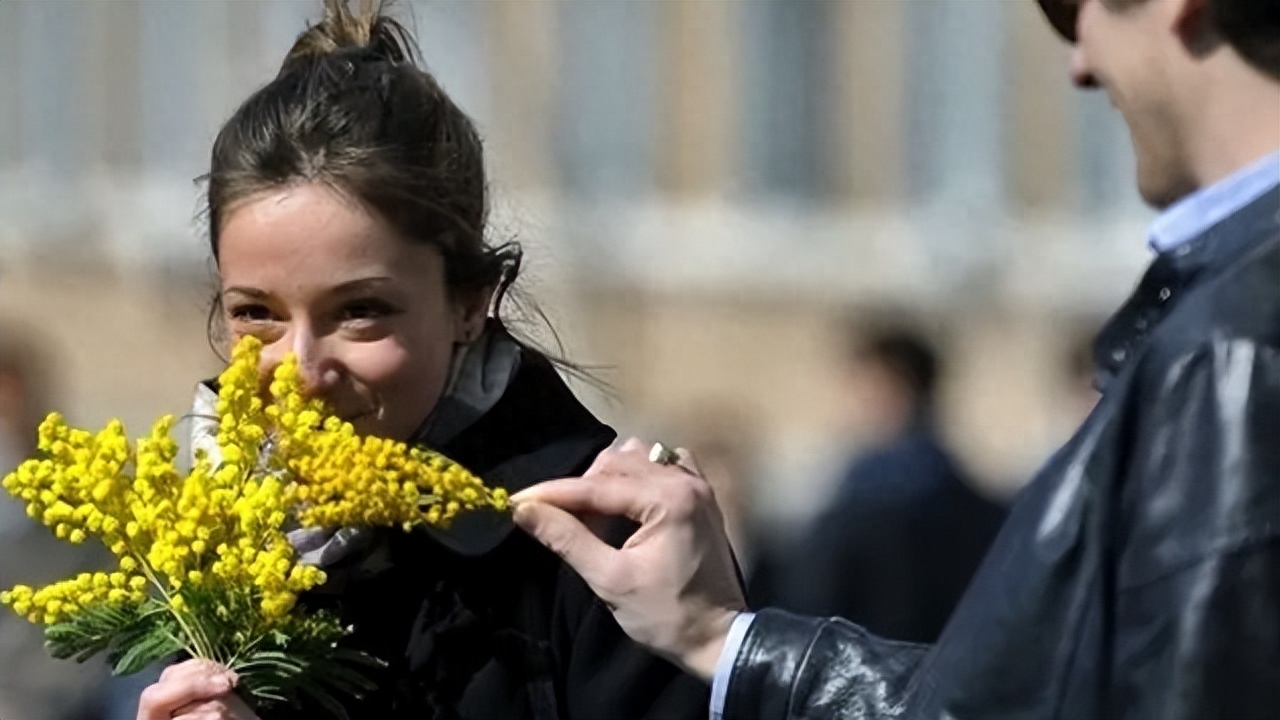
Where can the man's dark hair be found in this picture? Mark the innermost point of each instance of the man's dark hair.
(904, 353)
(1251, 27)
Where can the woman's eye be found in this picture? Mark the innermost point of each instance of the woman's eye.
(250, 313)
(366, 310)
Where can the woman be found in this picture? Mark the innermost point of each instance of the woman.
(347, 204)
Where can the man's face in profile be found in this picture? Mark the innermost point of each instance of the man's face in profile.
(1123, 47)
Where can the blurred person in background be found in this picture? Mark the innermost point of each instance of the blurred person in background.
(23, 395)
(347, 208)
(34, 686)
(903, 512)
(1138, 575)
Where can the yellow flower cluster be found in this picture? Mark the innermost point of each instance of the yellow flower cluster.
(233, 514)
(79, 487)
(348, 480)
(61, 599)
(220, 526)
(80, 473)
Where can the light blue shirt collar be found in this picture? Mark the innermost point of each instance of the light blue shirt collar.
(1194, 214)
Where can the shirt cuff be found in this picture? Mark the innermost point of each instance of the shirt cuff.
(724, 666)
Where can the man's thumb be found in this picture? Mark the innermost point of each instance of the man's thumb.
(568, 537)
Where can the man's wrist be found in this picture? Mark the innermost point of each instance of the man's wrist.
(701, 661)
(728, 659)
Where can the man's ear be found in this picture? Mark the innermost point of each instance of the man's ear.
(1192, 23)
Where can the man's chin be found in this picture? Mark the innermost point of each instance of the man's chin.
(1161, 191)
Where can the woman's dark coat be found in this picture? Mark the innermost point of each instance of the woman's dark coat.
(510, 632)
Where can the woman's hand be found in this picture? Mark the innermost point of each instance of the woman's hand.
(673, 586)
(194, 690)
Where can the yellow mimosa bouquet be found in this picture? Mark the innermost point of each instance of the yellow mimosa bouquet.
(203, 564)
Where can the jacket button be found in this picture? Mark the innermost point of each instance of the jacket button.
(1118, 355)
(1164, 294)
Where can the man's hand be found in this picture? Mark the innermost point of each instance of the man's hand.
(673, 585)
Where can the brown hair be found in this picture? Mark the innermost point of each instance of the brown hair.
(352, 109)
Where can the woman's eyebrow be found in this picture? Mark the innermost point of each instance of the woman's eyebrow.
(254, 293)
(346, 288)
(362, 285)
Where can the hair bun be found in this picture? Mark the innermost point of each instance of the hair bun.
(366, 32)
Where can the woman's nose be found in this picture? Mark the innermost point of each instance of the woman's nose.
(317, 369)
(318, 378)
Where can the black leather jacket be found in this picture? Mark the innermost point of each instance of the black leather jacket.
(1138, 576)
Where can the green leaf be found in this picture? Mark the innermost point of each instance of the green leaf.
(306, 670)
(326, 700)
(338, 672)
(298, 661)
(154, 619)
(155, 644)
(91, 631)
(134, 635)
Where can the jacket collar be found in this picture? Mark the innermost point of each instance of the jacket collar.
(1173, 273)
(537, 431)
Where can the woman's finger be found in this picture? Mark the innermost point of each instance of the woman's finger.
(230, 707)
(159, 701)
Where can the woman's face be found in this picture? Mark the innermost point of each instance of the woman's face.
(309, 271)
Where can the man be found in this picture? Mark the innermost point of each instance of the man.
(904, 513)
(1139, 574)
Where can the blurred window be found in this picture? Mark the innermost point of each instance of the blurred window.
(956, 105)
(452, 38)
(788, 97)
(607, 113)
(171, 87)
(1105, 165)
(50, 119)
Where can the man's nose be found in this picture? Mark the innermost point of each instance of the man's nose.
(1081, 75)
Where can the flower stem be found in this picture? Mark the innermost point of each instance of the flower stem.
(194, 645)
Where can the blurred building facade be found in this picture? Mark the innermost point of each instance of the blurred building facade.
(703, 187)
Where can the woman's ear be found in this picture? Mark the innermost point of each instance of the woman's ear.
(471, 311)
